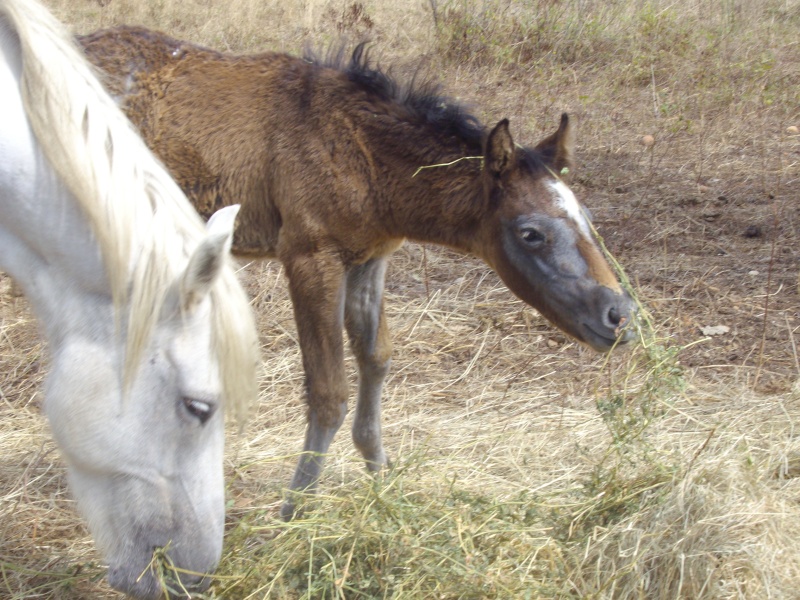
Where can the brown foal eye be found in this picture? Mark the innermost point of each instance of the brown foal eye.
(531, 236)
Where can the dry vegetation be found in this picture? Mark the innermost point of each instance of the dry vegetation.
(525, 466)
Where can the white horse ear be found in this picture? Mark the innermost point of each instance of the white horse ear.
(206, 262)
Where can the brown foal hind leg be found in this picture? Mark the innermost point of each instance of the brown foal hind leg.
(369, 338)
(316, 284)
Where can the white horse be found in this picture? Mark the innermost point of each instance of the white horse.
(150, 334)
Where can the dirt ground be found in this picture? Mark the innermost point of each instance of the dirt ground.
(707, 236)
(721, 253)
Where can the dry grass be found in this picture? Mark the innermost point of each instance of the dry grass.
(524, 466)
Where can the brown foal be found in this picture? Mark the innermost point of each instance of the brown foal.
(323, 156)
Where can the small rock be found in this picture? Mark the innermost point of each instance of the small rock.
(703, 189)
(792, 130)
(752, 273)
(648, 141)
(712, 330)
(551, 343)
(752, 231)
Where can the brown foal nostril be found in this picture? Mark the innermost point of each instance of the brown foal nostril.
(614, 316)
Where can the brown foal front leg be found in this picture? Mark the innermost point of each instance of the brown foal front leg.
(316, 284)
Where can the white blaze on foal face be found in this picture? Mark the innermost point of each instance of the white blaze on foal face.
(569, 203)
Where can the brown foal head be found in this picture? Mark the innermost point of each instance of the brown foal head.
(539, 239)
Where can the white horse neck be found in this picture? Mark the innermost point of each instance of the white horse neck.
(46, 243)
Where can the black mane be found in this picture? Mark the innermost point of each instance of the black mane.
(422, 99)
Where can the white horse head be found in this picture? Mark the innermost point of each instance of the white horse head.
(145, 460)
(150, 335)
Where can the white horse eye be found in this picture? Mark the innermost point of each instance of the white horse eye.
(198, 408)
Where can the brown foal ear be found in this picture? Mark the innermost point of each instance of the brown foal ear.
(499, 151)
(557, 149)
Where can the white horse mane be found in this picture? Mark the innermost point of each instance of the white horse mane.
(143, 224)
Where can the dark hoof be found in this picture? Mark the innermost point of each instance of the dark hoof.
(294, 505)
(288, 511)
(381, 464)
